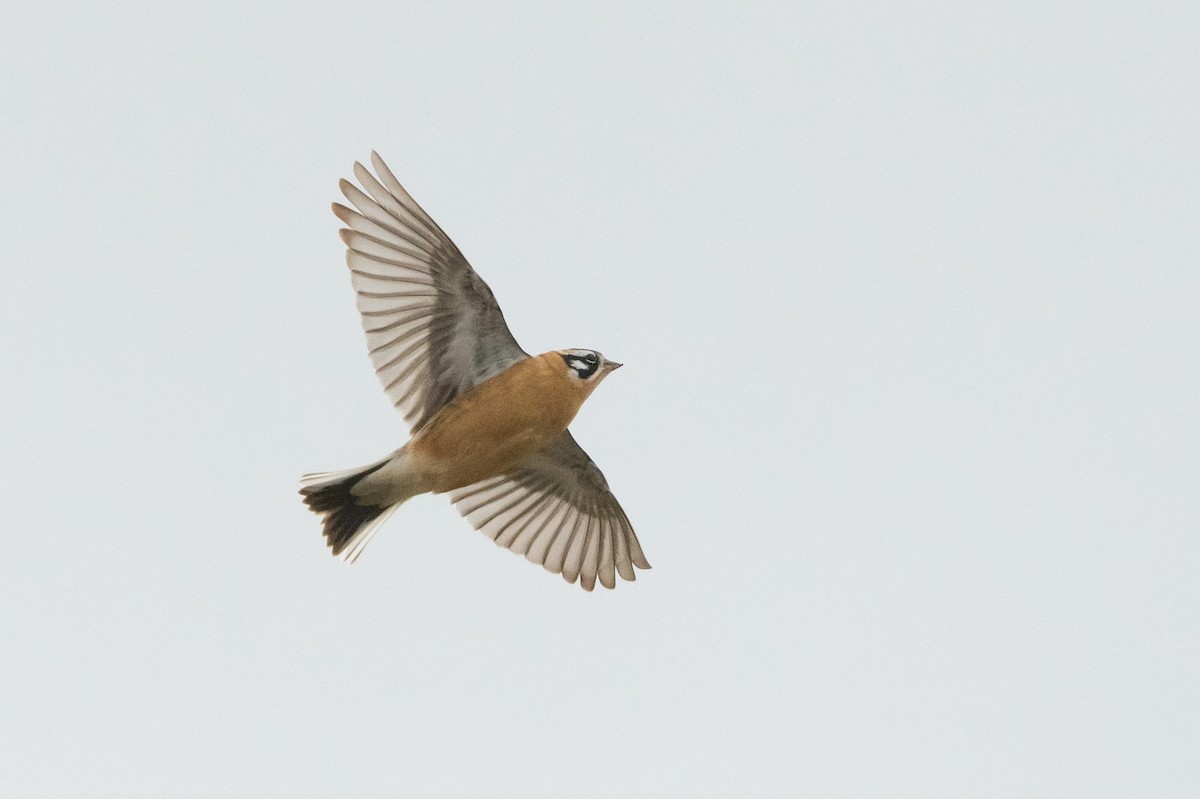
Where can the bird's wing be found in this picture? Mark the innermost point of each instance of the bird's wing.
(433, 327)
(557, 511)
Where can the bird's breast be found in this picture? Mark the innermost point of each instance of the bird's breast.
(492, 427)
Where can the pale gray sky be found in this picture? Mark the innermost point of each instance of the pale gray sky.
(908, 297)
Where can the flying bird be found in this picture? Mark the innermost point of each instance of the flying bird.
(488, 421)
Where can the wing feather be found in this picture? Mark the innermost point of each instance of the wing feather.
(433, 326)
(557, 510)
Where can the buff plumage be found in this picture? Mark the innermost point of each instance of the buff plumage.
(489, 422)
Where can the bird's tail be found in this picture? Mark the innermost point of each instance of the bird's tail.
(350, 506)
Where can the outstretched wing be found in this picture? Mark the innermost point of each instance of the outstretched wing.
(557, 511)
(433, 327)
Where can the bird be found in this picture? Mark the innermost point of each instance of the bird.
(488, 421)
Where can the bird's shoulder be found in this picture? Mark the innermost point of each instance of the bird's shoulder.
(540, 374)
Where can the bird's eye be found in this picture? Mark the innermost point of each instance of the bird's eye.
(590, 357)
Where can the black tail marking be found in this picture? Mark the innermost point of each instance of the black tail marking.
(342, 514)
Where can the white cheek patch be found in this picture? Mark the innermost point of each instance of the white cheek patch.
(578, 365)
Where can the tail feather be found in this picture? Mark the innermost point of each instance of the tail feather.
(349, 521)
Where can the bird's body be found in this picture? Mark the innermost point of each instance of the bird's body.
(493, 427)
(483, 432)
(489, 422)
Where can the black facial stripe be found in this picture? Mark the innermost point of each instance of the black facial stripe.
(583, 365)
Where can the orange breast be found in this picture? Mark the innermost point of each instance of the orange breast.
(491, 428)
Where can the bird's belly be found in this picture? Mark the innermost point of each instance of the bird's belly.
(460, 462)
(478, 436)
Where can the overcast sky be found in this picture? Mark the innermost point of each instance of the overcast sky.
(908, 299)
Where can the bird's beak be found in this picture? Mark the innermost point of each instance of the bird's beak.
(612, 366)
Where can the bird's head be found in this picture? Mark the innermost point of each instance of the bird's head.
(587, 366)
